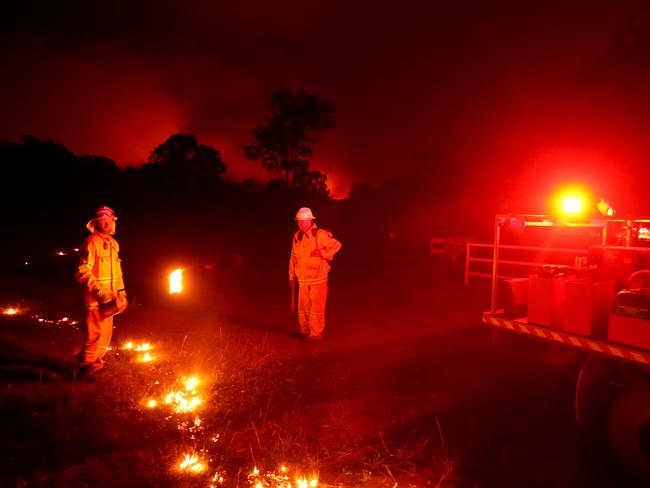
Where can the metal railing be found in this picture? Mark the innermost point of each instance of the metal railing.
(470, 258)
(522, 221)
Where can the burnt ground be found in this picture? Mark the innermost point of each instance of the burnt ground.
(406, 388)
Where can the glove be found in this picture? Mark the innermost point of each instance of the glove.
(103, 296)
(121, 301)
(108, 309)
(114, 306)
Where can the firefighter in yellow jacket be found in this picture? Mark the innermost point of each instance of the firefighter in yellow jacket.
(311, 252)
(100, 275)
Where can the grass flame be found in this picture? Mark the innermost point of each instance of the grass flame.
(192, 464)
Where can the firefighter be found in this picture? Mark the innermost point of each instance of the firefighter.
(312, 250)
(100, 275)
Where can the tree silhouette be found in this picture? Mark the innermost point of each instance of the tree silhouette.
(312, 182)
(45, 174)
(181, 156)
(284, 143)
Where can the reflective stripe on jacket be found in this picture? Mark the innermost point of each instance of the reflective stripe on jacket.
(99, 271)
(310, 269)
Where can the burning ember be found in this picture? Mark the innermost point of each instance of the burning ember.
(279, 479)
(191, 383)
(145, 358)
(10, 311)
(191, 464)
(176, 281)
(145, 346)
(217, 480)
(64, 320)
(183, 400)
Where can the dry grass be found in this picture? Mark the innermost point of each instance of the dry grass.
(261, 407)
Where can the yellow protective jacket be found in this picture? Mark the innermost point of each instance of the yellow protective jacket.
(308, 269)
(99, 271)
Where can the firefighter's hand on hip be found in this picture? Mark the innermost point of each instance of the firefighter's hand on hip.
(316, 253)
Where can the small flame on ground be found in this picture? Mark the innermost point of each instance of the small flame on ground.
(279, 479)
(145, 358)
(176, 281)
(217, 480)
(152, 403)
(192, 464)
(10, 311)
(130, 346)
(191, 383)
(182, 402)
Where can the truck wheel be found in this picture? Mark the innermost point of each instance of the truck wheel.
(594, 392)
(629, 429)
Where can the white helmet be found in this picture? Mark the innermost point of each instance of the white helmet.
(101, 213)
(305, 214)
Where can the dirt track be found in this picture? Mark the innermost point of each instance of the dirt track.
(406, 385)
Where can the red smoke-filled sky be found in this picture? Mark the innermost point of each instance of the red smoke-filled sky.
(521, 95)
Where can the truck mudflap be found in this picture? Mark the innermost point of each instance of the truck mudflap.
(610, 349)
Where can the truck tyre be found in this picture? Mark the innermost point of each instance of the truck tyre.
(629, 430)
(594, 391)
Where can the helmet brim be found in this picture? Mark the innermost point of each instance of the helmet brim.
(91, 223)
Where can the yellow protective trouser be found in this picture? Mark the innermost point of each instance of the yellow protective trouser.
(99, 331)
(311, 308)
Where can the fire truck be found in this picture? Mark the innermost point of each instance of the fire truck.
(592, 294)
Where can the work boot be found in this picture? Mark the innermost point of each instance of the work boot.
(89, 370)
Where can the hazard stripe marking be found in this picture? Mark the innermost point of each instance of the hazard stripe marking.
(616, 351)
(594, 346)
(620, 352)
